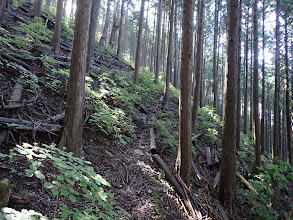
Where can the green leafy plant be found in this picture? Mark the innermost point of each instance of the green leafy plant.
(70, 178)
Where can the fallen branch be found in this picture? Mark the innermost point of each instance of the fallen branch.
(196, 170)
(152, 139)
(216, 180)
(209, 157)
(10, 58)
(28, 125)
(16, 94)
(140, 108)
(246, 183)
(178, 187)
(16, 17)
(196, 137)
(56, 118)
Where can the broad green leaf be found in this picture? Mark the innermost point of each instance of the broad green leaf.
(39, 175)
(55, 191)
(60, 177)
(30, 173)
(48, 185)
(64, 193)
(3, 155)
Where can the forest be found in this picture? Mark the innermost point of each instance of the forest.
(146, 109)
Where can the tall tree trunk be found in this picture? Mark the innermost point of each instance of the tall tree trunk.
(262, 137)
(96, 4)
(64, 8)
(48, 3)
(114, 26)
(255, 89)
(175, 80)
(251, 83)
(72, 9)
(57, 29)
(227, 184)
(183, 162)
(169, 56)
(276, 144)
(198, 61)
(104, 36)
(158, 41)
(215, 58)
(2, 9)
(245, 122)
(288, 113)
(71, 135)
(152, 62)
(138, 46)
(38, 8)
(120, 36)
(239, 79)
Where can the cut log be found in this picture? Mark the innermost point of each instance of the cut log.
(152, 139)
(216, 180)
(27, 125)
(196, 170)
(209, 157)
(19, 200)
(10, 58)
(246, 183)
(180, 189)
(196, 137)
(16, 94)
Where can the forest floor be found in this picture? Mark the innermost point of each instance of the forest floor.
(138, 185)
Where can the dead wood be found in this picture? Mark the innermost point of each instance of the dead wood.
(101, 62)
(14, 199)
(28, 125)
(67, 49)
(10, 58)
(152, 139)
(177, 185)
(16, 17)
(196, 137)
(3, 136)
(16, 94)
(161, 98)
(140, 108)
(56, 118)
(209, 157)
(196, 170)
(216, 180)
(246, 183)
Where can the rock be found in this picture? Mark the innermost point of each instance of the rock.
(4, 192)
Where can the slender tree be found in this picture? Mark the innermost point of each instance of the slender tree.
(288, 119)
(198, 61)
(92, 32)
(227, 184)
(138, 45)
(183, 162)
(71, 134)
(104, 36)
(57, 29)
(255, 89)
(158, 41)
(276, 143)
(120, 36)
(245, 121)
(169, 55)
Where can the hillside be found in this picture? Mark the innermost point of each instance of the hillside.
(117, 176)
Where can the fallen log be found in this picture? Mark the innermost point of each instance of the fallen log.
(20, 200)
(56, 118)
(16, 17)
(140, 108)
(16, 106)
(216, 180)
(10, 58)
(16, 94)
(196, 170)
(28, 125)
(246, 183)
(152, 139)
(196, 137)
(177, 185)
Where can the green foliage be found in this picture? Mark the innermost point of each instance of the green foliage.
(36, 32)
(66, 31)
(209, 123)
(71, 177)
(24, 214)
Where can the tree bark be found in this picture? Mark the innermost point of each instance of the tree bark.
(104, 36)
(57, 30)
(227, 184)
(71, 135)
(38, 8)
(276, 143)
(288, 113)
(215, 69)
(120, 36)
(262, 137)
(115, 26)
(158, 41)
(92, 32)
(255, 89)
(245, 111)
(183, 162)
(198, 61)
(138, 46)
(169, 56)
